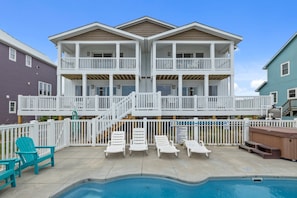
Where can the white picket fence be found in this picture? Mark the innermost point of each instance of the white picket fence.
(85, 132)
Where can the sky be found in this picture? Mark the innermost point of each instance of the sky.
(265, 25)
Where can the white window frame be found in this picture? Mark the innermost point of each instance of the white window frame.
(12, 107)
(12, 54)
(28, 61)
(288, 93)
(275, 96)
(44, 89)
(281, 68)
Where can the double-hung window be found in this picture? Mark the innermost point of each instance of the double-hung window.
(12, 106)
(28, 61)
(44, 89)
(12, 54)
(292, 93)
(285, 68)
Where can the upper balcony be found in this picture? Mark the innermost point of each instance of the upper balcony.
(193, 57)
(72, 63)
(202, 64)
(95, 56)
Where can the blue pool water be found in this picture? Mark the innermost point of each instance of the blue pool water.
(150, 186)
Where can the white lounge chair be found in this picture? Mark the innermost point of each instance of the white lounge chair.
(164, 146)
(138, 141)
(116, 144)
(194, 147)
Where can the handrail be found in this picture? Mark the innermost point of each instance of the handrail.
(117, 111)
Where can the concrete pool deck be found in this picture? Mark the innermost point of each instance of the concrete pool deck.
(73, 164)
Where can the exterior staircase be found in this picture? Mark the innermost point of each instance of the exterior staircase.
(133, 104)
(290, 108)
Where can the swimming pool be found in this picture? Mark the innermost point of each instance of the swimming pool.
(153, 186)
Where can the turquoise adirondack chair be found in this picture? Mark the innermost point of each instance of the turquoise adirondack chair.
(8, 174)
(29, 156)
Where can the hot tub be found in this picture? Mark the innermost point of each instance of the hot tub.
(283, 138)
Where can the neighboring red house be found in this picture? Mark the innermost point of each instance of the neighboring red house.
(23, 71)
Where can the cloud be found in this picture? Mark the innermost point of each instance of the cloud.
(256, 83)
(248, 77)
(244, 90)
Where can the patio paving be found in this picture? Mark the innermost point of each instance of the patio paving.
(73, 164)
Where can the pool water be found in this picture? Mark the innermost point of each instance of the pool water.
(150, 186)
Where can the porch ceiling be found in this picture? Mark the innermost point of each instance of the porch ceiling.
(191, 77)
(99, 77)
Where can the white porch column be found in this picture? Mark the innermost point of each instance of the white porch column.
(232, 85)
(180, 90)
(77, 55)
(180, 85)
(111, 90)
(117, 56)
(84, 85)
(174, 55)
(206, 85)
(59, 85)
(59, 56)
(154, 84)
(231, 51)
(212, 56)
(154, 60)
(137, 83)
(111, 85)
(137, 52)
(206, 93)
(59, 91)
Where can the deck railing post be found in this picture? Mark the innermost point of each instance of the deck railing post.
(67, 131)
(195, 103)
(295, 122)
(196, 131)
(96, 102)
(159, 101)
(246, 126)
(34, 132)
(144, 124)
(94, 130)
(51, 133)
(133, 101)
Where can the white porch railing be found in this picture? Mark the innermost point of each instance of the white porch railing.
(119, 110)
(123, 63)
(199, 64)
(125, 106)
(195, 103)
(84, 132)
(148, 102)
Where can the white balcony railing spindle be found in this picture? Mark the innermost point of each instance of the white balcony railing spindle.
(193, 64)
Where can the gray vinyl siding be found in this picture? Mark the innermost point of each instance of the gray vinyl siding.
(146, 29)
(194, 35)
(97, 35)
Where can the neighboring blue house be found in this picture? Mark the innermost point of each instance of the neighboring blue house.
(282, 78)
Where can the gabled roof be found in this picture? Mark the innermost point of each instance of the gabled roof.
(144, 19)
(14, 43)
(90, 27)
(286, 44)
(200, 27)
